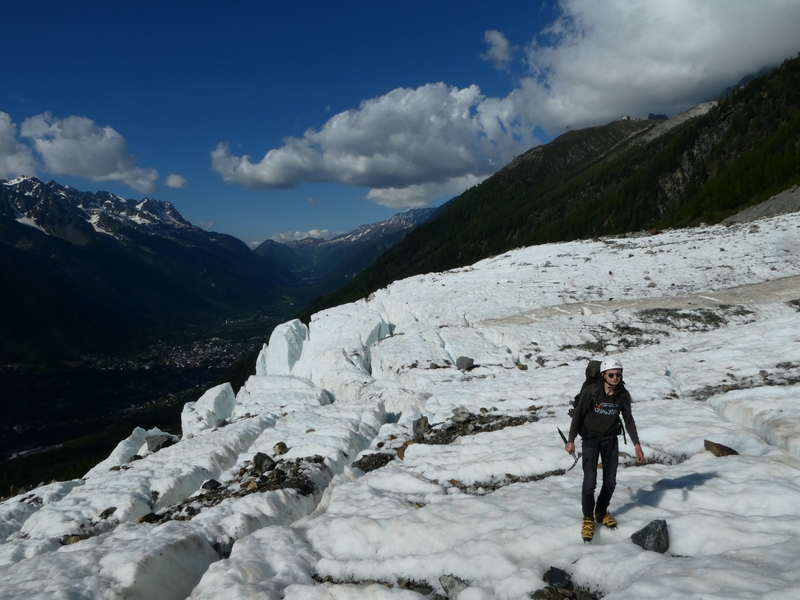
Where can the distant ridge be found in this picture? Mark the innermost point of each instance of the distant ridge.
(89, 272)
(325, 265)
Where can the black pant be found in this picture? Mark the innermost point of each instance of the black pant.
(608, 450)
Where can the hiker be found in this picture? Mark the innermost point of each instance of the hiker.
(597, 419)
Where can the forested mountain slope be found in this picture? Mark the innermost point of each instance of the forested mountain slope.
(625, 176)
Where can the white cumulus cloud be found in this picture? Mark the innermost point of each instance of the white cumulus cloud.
(602, 59)
(15, 157)
(290, 236)
(78, 146)
(433, 136)
(175, 181)
(499, 51)
(599, 60)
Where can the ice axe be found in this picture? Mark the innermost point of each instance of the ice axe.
(575, 456)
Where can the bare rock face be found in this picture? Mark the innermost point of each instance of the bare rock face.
(719, 449)
(465, 363)
(654, 537)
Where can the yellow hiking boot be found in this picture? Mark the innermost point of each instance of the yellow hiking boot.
(587, 529)
(606, 519)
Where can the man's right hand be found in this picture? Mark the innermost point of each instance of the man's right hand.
(570, 447)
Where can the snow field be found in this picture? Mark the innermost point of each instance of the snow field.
(697, 368)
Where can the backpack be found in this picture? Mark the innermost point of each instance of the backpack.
(592, 374)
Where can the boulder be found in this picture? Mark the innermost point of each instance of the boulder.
(719, 449)
(654, 537)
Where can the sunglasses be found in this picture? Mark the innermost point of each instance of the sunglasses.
(614, 375)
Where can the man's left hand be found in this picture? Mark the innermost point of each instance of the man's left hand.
(639, 453)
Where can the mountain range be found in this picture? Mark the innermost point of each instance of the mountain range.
(326, 265)
(88, 271)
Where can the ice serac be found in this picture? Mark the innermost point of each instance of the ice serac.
(337, 356)
(209, 411)
(284, 349)
(278, 394)
(134, 562)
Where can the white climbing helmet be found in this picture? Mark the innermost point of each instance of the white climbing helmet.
(610, 363)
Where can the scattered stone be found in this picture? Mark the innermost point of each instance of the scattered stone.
(421, 426)
(108, 512)
(464, 363)
(419, 587)
(262, 463)
(211, 484)
(719, 449)
(560, 587)
(157, 442)
(401, 451)
(453, 585)
(135, 457)
(558, 578)
(464, 422)
(150, 517)
(280, 449)
(522, 367)
(371, 462)
(67, 540)
(460, 415)
(654, 537)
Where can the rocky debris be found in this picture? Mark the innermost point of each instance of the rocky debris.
(452, 585)
(696, 319)
(370, 462)
(157, 442)
(653, 537)
(463, 422)
(719, 449)
(787, 373)
(794, 304)
(287, 474)
(420, 587)
(262, 463)
(560, 587)
(421, 426)
(465, 363)
(68, 540)
(108, 512)
(211, 484)
(280, 449)
(481, 488)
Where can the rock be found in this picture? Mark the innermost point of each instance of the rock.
(421, 426)
(557, 578)
(67, 540)
(452, 585)
(370, 462)
(108, 512)
(263, 463)
(157, 442)
(279, 449)
(211, 484)
(460, 415)
(464, 363)
(148, 518)
(401, 451)
(654, 537)
(719, 449)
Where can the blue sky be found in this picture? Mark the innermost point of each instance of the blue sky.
(267, 119)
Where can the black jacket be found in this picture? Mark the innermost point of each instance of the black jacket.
(597, 414)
